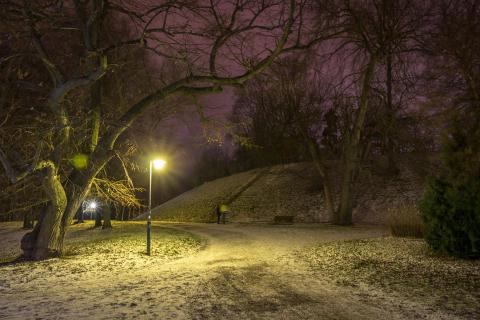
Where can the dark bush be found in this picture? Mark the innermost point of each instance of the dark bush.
(451, 204)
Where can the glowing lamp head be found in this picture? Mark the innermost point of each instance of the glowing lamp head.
(159, 164)
(92, 205)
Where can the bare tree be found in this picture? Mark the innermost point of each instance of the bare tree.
(369, 35)
(374, 32)
(212, 44)
(265, 120)
(286, 110)
(452, 46)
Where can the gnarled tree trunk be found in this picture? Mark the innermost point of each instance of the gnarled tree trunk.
(45, 239)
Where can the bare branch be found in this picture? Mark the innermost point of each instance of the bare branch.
(36, 165)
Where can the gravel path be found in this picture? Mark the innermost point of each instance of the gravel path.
(244, 272)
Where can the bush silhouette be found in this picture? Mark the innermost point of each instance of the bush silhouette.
(451, 204)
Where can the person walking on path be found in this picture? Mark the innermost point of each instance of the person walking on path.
(222, 210)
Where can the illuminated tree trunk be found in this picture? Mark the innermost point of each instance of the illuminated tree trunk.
(45, 240)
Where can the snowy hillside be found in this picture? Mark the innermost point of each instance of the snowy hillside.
(292, 189)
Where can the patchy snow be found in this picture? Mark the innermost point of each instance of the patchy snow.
(198, 204)
(402, 271)
(96, 270)
(10, 236)
(237, 271)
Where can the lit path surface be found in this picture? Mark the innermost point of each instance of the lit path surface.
(244, 272)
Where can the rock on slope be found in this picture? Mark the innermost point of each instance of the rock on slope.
(293, 189)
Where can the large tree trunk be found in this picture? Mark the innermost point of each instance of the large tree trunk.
(107, 223)
(76, 196)
(328, 197)
(351, 157)
(81, 184)
(80, 217)
(390, 118)
(321, 169)
(327, 189)
(45, 239)
(98, 218)
(344, 214)
(28, 220)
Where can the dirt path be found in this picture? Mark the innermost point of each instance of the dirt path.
(248, 273)
(244, 272)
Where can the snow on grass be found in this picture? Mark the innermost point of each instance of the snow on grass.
(10, 236)
(91, 252)
(104, 274)
(403, 268)
(130, 238)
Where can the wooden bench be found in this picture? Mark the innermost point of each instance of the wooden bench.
(283, 219)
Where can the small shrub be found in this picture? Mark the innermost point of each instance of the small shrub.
(405, 221)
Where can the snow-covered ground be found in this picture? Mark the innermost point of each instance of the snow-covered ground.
(198, 271)
(402, 270)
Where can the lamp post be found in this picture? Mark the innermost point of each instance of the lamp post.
(157, 164)
(92, 206)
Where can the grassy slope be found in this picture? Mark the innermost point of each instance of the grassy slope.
(292, 189)
(198, 205)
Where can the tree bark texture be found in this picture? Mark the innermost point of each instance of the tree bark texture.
(45, 241)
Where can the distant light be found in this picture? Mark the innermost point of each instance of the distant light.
(92, 205)
(159, 164)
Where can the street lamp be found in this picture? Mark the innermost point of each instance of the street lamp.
(157, 164)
